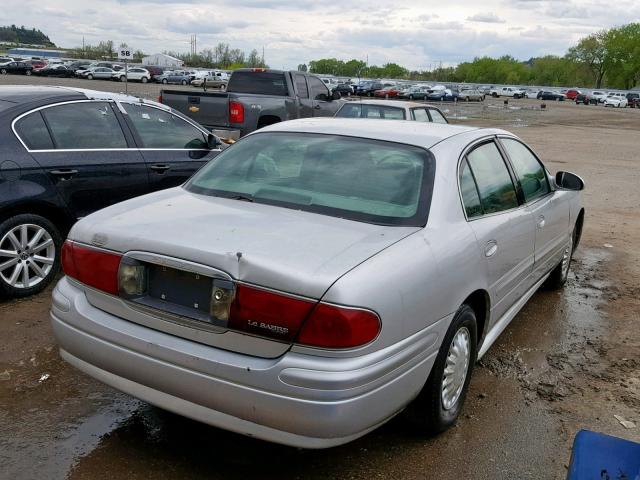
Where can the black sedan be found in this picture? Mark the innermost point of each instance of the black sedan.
(71, 152)
(344, 89)
(54, 71)
(548, 95)
(16, 67)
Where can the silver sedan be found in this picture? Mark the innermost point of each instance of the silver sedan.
(318, 277)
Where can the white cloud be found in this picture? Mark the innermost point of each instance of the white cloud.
(414, 34)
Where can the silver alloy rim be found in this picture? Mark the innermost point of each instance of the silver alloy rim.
(566, 259)
(456, 367)
(27, 255)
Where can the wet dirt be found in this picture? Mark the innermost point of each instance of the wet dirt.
(569, 360)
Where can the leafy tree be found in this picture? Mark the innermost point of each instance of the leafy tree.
(593, 52)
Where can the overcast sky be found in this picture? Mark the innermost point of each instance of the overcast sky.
(416, 34)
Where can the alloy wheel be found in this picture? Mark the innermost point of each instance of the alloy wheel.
(566, 258)
(27, 255)
(456, 368)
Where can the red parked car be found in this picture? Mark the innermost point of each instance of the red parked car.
(37, 64)
(387, 92)
(572, 94)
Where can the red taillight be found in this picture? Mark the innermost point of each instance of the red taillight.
(331, 326)
(236, 112)
(95, 268)
(268, 314)
(302, 321)
(258, 69)
(160, 98)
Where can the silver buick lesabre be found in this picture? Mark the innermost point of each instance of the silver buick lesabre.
(318, 277)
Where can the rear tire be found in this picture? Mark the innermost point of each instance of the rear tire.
(27, 73)
(145, 79)
(184, 82)
(41, 262)
(3, 71)
(89, 77)
(436, 409)
(165, 81)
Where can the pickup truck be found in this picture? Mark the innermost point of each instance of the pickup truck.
(255, 98)
(507, 92)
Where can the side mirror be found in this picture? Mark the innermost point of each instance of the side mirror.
(569, 181)
(336, 95)
(213, 141)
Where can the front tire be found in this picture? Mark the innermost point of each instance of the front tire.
(89, 77)
(440, 402)
(27, 73)
(30, 258)
(3, 71)
(558, 277)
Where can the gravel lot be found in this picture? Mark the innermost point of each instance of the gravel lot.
(568, 361)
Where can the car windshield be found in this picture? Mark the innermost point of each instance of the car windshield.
(316, 172)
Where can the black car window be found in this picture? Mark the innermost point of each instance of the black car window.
(33, 132)
(258, 82)
(301, 86)
(529, 170)
(319, 90)
(495, 187)
(436, 116)
(84, 125)
(160, 129)
(469, 192)
(420, 115)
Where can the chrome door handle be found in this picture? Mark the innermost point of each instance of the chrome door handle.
(160, 168)
(491, 248)
(65, 174)
(541, 221)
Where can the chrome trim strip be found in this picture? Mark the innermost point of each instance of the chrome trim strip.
(178, 264)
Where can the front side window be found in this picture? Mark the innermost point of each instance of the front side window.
(84, 125)
(161, 129)
(420, 115)
(495, 187)
(319, 90)
(316, 173)
(33, 132)
(529, 171)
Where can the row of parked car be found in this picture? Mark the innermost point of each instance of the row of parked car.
(115, 71)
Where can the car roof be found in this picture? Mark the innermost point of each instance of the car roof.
(421, 134)
(16, 95)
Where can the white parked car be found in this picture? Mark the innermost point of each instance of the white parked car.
(598, 95)
(136, 74)
(508, 92)
(618, 100)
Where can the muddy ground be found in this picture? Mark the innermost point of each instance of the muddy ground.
(568, 361)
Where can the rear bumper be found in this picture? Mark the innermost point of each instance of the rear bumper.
(297, 400)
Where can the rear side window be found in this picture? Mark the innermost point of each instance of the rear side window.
(84, 125)
(529, 170)
(301, 86)
(159, 129)
(470, 197)
(495, 187)
(265, 83)
(33, 132)
(436, 116)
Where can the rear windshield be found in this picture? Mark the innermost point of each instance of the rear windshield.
(316, 173)
(362, 110)
(266, 83)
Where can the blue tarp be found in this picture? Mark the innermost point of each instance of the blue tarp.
(597, 456)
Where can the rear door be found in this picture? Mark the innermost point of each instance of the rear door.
(173, 148)
(88, 155)
(304, 102)
(504, 231)
(549, 208)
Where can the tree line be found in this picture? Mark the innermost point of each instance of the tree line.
(606, 58)
(18, 35)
